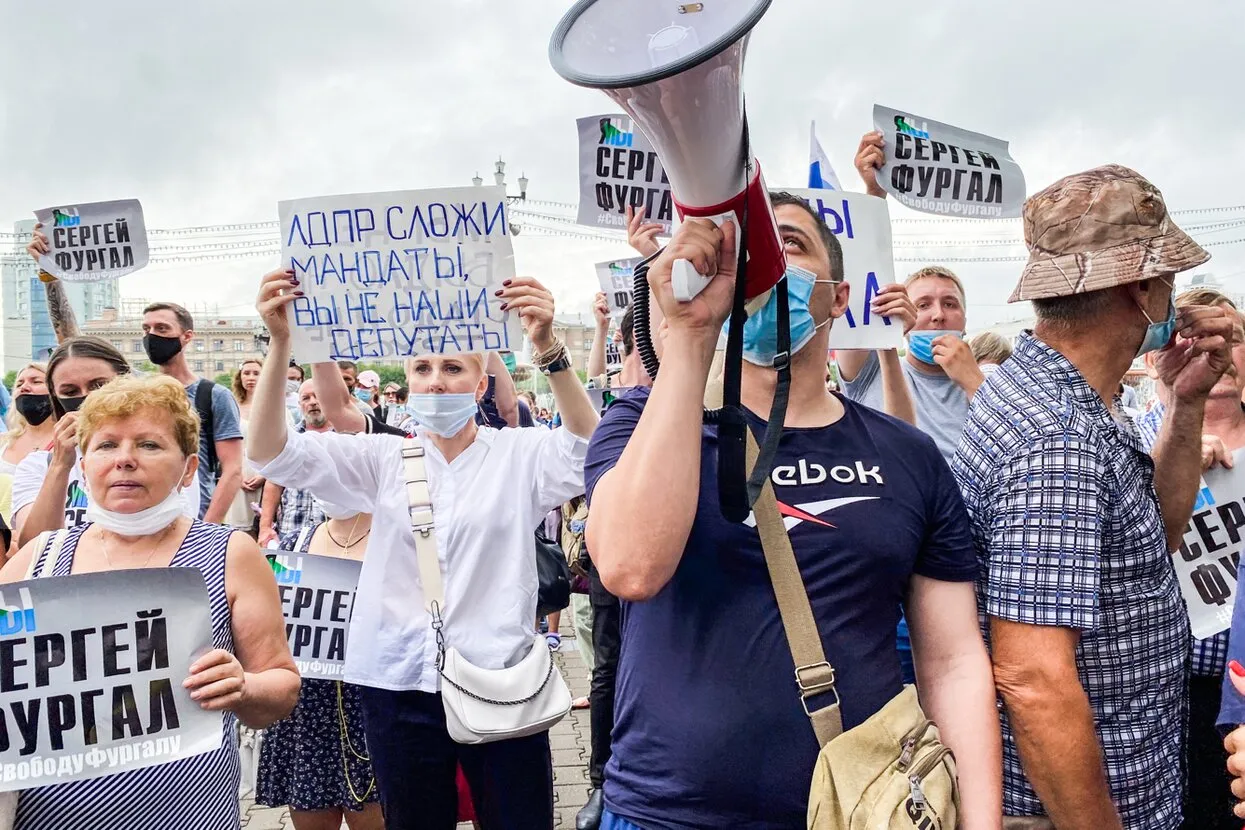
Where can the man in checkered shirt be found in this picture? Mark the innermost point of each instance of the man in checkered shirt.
(1208, 801)
(1073, 525)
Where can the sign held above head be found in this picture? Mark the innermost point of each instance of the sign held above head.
(681, 84)
(94, 240)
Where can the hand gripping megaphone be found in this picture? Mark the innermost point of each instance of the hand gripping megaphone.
(677, 70)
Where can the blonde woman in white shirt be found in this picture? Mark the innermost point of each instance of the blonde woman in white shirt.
(489, 490)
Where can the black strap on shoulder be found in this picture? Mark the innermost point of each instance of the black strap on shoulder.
(207, 424)
(737, 490)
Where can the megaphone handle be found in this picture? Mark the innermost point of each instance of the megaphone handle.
(686, 281)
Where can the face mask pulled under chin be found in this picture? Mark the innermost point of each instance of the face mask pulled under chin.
(140, 523)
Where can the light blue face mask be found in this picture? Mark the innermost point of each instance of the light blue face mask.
(761, 329)
(364, 395)
(446, 415)
(921, 343)
(1158, 334)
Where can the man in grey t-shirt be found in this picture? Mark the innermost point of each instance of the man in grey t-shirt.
(940, 371)
(167, 329)
(941, 374)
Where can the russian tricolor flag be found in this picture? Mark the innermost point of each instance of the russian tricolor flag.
(821, 175)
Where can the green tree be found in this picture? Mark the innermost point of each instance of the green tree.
(225, 380)
(9, 379)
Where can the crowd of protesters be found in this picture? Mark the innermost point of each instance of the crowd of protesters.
(998, 531)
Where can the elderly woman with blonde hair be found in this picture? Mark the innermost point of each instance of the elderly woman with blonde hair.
(139, 439)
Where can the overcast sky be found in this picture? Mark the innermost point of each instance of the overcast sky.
(212, 112)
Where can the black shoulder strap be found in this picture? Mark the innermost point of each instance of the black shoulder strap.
(207, 425)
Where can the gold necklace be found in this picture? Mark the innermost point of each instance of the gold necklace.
(350, 540)
(103, 539)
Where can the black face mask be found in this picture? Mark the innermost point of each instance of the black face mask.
(71, 404)
(160, 350)
(34, 408)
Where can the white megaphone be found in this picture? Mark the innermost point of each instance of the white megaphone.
(677, 70)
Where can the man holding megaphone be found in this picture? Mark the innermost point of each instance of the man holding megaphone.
(709, 729)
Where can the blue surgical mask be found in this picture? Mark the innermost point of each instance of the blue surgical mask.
(921, 343)
(364, 395)
(446, 415)
(761, 328)
(1158, 334)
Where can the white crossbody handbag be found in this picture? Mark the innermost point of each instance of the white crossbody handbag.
(481, 705)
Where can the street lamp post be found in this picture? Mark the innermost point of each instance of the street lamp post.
(499, 178)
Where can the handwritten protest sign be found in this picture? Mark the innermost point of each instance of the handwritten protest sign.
(618, 168)
(1210, 551)
(615, 277)
(938, 168)
(94, 241)
(317, 597)
(862, 226)
(91, 672)
(388, 276)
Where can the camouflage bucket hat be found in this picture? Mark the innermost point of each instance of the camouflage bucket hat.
(1098, 229)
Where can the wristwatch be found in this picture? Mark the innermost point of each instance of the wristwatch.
(562, 362)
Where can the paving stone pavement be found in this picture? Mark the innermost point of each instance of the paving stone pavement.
(568, 742)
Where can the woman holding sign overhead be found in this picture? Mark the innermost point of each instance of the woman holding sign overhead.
(316, 760)
(488, 488)
(139, 440)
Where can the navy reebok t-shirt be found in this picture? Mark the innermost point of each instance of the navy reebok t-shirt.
(708, 729)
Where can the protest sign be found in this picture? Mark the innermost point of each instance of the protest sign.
(94, 241)
(388, 276)
(862, 226)
(615, 277)
(317, 597)
(618, 169)
(1210, 551)
(613, 356)
(91, 673)
(937, 168)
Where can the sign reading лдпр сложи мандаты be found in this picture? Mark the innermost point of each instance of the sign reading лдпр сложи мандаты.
(387, 276)
(91, 673)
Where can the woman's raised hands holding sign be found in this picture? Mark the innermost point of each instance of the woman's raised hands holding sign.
(276, 291)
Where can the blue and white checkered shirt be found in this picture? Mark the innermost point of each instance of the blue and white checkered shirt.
(1210, 656)
(297, 508)
(1068, 531)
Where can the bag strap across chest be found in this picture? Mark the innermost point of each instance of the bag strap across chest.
(814, 676)
(419, 505)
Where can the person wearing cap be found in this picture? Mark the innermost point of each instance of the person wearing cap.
(367, 390)
(1074, 521)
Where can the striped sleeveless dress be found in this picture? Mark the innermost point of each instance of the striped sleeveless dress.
(199, 793)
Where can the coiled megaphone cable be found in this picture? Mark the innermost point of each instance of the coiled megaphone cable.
(737, 491)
